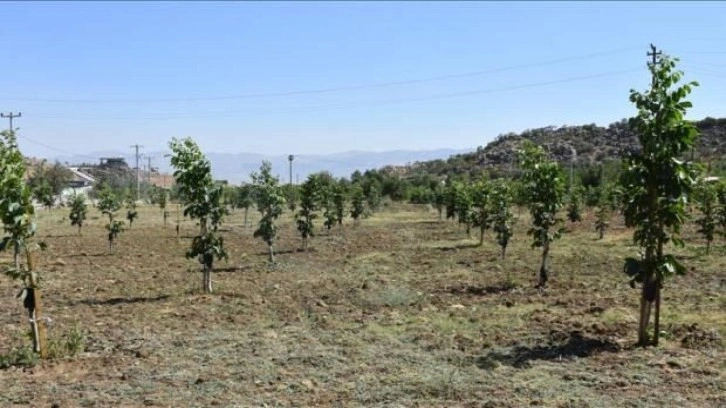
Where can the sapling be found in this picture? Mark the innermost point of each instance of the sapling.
(270, 201)
(357, 204)
(657, 184)
(502, 217)
(202, 201)
(78, 211)
(543, 190)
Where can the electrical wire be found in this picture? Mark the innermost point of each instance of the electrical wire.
(333, 89)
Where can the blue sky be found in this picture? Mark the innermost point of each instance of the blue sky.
(305, 78)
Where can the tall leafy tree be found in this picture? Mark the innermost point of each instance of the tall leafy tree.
(657, 185)
(501, 214)
(543, 188)
(270, 200)
(78, 211)
(202, 200)
(17, 212)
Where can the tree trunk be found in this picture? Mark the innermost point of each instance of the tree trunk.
(481, 235)
(602, 232)
(272, 254)
(110, 245)
(39, 336)
(504, 251)
(708, 247)
(647, 297)
(79, 230)
(207, 279)
(544, 267)
(656, 322)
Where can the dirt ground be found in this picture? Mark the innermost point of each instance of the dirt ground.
(402, 311)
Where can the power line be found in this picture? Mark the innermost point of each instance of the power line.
(334, 89)
(303, 109)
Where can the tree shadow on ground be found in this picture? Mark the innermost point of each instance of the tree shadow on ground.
(457, 247)
(521, 356)
(281, 252)
(122, 301)
(84, 255)
(482, 290)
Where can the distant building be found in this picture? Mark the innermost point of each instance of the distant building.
(82, 183)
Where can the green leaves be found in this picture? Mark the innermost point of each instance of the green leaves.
(78, 210)
(270, 201)
(202, 201)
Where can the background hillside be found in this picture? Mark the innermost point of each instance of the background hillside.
(593, 145)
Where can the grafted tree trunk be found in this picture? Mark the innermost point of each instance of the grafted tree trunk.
(272, 253)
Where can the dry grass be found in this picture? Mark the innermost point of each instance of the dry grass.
(403, 310)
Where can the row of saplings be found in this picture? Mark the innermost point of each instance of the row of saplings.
(656, 188)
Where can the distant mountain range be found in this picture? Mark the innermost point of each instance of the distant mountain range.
(236, 167)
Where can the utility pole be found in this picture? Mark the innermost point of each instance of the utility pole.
(291, 158)
(138, 183)
(149, 175)
(10, 117)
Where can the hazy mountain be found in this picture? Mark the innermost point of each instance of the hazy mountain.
(236, 167)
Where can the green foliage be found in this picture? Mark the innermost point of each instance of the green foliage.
(311, 193)
(721, 207)
(43, 193)
(270, 202)
(501, 215)
(439, 200)
(108, 202)
(463, 203)
(543, 190)
(480, 216)
(602, 219)
(55, 178)
(657, 184)
(16, 207)
(131, 212)
(339, 200)
(707, 200)
(78, 211)
(357, 202)
(574, 207)
(373, 198)
(202, 200)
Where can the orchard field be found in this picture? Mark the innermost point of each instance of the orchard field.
(402, 310)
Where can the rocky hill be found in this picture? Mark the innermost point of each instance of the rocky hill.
(592, 144)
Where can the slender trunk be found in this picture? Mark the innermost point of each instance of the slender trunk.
(481, 235)
(110, 245)
(644, 320)
(601, 232)
(544, 267)
(37, 327)
(504, 251)
(708, 247)
(656, 322)
(79, 230)
(207, 277)
(272, 254)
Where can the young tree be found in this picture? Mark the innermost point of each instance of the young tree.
(57, 177)
(131, 212)
(602, 219)
(269, 202)
(162, 198)
(543, 188)
(17, 211)
(109, 204)
(480, 194)
(707, 201)
(373, 198)
(440, 200)
(310, 194)
(357, 203)
(500, 199)
(339, 201)
(463, 204)
(574, 207)
(245, 199)
(43, 193)
(721, 207)
(657, 185)
(78, 211)
(202, 200)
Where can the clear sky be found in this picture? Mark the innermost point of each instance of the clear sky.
(304, 78)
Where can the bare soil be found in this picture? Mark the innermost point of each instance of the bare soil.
(403, 310)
